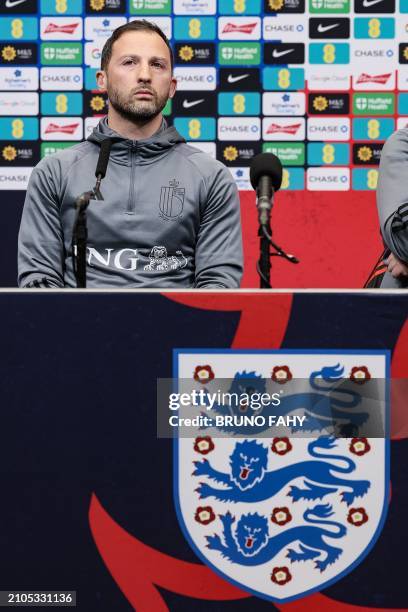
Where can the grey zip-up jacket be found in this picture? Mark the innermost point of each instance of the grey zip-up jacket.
(392, 201)
(169, 218)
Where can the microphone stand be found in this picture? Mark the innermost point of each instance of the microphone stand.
(80, 230)
(80, 237)
(263, 266)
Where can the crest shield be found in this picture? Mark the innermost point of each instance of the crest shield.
(282, 516)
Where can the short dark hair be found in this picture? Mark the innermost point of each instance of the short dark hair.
(138, 25)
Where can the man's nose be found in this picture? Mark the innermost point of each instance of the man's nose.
(144, 72)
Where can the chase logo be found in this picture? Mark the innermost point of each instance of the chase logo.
(18, 28)
(375, 27)
(287, 28)
(328, 179)
(57, 79)
(329, 53)
(284, 6)
(18, 53)
(61, 7)
(366, 154)
(195, 78)
(239, 103)
(328, 154)
(61, 103)
(195, 28)
(199, 128)
(326, 128)
(239, 128)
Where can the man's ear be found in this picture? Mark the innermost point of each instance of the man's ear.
(173, 87)
(102, 79)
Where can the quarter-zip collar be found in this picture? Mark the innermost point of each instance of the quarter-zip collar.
(148, 150)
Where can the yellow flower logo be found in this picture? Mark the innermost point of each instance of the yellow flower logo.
(97, 5)
(364, 154)
(97, 103)
(275, 5)
(230, 153)
(405, 53)
(9, 53)
(9, 153)
(320, 103)
(186, 53)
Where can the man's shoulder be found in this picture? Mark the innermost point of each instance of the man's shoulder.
(203, 162)
(65, 158)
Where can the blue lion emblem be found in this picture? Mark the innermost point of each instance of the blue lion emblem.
(249, 481)
(328, 405)
(251, 544)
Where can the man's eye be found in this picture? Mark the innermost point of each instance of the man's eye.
(128, 61)
(158, 65)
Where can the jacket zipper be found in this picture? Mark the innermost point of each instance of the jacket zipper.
(130, 210)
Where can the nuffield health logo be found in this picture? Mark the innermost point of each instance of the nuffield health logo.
(281, 482)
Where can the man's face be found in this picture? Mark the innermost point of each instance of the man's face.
(138, 78)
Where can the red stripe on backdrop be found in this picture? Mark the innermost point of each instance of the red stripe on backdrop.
(334, 234)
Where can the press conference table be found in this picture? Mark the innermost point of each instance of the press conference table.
(87, 500)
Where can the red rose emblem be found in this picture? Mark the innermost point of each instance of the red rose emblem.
(359, 446)
(360, 375)
(281, 575)
(357, 516)
(281, 374)
(281, 516)
(204, 515)
(203, 445)
(281, 446)
(203, 374)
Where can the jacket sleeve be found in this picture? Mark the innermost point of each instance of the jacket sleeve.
(218, 257)
(40, 240)
(392, 194)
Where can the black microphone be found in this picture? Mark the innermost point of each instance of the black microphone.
(265, 173)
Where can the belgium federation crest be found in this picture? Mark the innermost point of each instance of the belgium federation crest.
(172, 201)
(285, 496)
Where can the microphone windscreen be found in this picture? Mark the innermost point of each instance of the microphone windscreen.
(266, 164)
(103, 158)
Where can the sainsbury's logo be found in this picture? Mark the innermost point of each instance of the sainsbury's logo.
(68, 28)
(275, 128)
(245, 28)
(380, 78)
(53, 128)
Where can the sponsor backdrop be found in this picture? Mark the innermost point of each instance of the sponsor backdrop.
(320, 83)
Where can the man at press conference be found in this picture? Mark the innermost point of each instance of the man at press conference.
(169, 216)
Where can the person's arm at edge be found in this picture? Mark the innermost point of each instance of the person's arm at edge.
(392, 194)
(219, 258)
(40, 240)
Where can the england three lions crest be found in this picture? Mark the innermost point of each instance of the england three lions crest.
(172, 201)
(278, 513)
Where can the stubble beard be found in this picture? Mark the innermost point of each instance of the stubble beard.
(137, 111)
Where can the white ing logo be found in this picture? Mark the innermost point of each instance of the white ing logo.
(94, 255)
